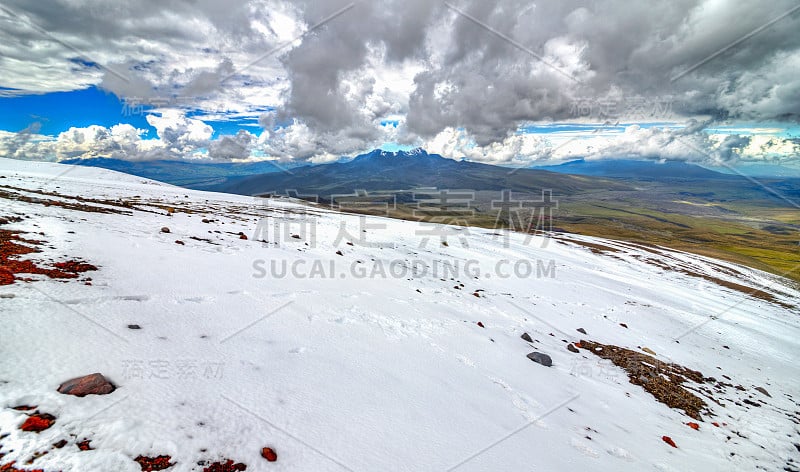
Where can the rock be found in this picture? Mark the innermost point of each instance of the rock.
(581, 330)
(85, 445)
(269, 454)
(60, 444)
(693, 425)
(669, 441)
(165, 230)
(624, 325)
(180, 242)
(649, 351)
(541, 358)
(38, 422)
(764, 391)
(571, 348)
(480, 324)
(93, 384)
(134, 326)
(242, 236)
(339, 253)
(527, 337)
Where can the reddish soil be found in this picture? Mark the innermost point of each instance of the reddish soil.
(12, 245)
(10, 468)
(154, 463)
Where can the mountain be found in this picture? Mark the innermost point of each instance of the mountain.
(401, 170)
(229, 325)
(186, 173)
(636, 169)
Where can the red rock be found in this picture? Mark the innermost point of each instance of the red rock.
(693, 425)
(24, 408)
(715, 424)
(84, 445)
(154, 463)
(669, 441)
(38, 422)
(242, 236)
(93, 384)
(269, 454)
(480, 324)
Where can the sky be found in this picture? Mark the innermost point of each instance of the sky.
(510, 82)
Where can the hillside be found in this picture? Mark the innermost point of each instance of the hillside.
(228, 324)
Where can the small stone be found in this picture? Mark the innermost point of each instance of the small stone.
(269, 454)
(764, 391)
(38, 422)
(134, 326)
(180, 242)
(242, 236)
(669, 441)
(93, 384)
(581, 330)
(60, 444)
(541, 358)
(480, 324)
(339, 253)
(165, 230)
(527, 337)
(624, 325)
(571, 348)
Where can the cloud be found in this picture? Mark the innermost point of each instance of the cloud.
(427, 67)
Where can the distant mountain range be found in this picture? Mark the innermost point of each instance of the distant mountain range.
(405, 170)
(382, 170)
(185, 173)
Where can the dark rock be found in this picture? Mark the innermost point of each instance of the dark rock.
(134, 326)
(571, 348)
(180, 242)
(93, 384)
(764, 391)
(527, 337)
(165, 230)
(541, 358)
(60, 444)
(581, 330)
(480, 324)
(624, 325)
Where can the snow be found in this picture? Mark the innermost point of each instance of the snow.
(355, 371)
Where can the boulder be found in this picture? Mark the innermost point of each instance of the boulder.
(541, 358)
(581, 330)
(93, 384)
(527, 337)
(165, 230)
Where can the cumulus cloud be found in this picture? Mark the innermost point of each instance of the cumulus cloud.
(442, 75)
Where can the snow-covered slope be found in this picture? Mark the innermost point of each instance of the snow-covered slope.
(349, 362)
